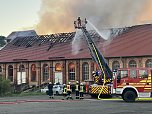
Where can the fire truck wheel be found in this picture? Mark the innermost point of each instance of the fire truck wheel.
(129, 96)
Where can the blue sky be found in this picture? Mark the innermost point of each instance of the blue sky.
(17, 15)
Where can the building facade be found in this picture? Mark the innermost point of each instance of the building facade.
(35, 60)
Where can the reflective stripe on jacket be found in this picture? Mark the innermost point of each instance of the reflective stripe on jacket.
(77, 87)
(64, 90)
(68, 88)
(81, 88)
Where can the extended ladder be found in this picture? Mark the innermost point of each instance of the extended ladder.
(96, 55)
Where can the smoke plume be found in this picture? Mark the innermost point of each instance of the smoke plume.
(58, 15)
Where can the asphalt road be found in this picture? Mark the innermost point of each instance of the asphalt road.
(44, 105)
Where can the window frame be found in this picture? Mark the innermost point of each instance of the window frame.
(85, 71)
(132, 64)
(115, 65)
(10, 77)
(45, 72)
(71, 71)
(33, 73)
(148, 63)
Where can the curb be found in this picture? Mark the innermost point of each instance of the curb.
(26, 101)
(8, 103)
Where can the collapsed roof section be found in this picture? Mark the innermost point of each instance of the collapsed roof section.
(28, 41)
(45, 47)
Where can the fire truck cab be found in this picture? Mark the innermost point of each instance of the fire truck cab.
(132, 83)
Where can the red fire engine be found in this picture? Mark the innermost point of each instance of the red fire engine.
(131, 83)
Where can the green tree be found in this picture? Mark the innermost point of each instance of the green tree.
(5, 87)
(2, 41)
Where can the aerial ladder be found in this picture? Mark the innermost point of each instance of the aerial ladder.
(105, 86)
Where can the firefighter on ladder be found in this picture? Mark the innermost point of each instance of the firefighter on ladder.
(64, 91)
(75, 24)
(85, 23)
(77, 90)
(79, 22)
(81, 91)
(69, 91)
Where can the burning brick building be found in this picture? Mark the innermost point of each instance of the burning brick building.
(35, 59)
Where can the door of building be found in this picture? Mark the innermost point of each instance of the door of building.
(21, 77)
(58, 77)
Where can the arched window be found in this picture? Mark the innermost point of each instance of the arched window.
(45, 72)
(115, 65)
(21, 68)
(132, 63)
(33, 72)
(10, 73)
(148, 63)
(71, 70)
(58, 67)
(85, 71)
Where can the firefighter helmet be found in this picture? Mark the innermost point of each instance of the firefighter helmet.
(93, 72)
(77, 82)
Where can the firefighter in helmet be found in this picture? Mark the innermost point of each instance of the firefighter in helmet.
(85, 23)
(81, 91)
(93, 75)
(69, 91)
(75, 24)
(64, 91)
(77, 90)
(96, 77)
(79, 22)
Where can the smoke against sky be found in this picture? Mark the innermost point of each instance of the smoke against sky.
(58, 15)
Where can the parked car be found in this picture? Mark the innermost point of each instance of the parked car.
(44, 89)
(57, 89)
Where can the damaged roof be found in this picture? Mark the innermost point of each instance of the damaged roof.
(46, 47)
(134, 41)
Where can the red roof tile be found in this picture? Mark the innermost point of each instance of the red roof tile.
(135, 41)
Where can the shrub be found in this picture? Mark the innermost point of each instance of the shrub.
(5, 87)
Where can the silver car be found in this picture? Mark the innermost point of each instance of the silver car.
(57, 89)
